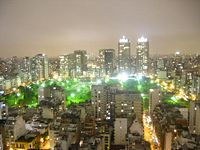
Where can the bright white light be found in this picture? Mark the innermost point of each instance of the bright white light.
(107, 118)
(139, 77)
(142, 39)
(122, 77)
(55, 76)
(123, 40)
(72, 95)
(98, 81)
(43, 85)
(151, 90)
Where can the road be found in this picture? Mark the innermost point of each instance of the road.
(149, 135)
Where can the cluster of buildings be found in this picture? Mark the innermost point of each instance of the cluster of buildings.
(15, 71)
(107, 121)
(113, 118)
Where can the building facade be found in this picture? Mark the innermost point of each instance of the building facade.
(142, 55)
(124, 55)
(39, 67)
(107, 57)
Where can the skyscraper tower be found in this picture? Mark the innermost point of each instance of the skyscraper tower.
(124, 53)
(25, 65)
(107, 57)
(142, 55)
(25, 68)
(67, 65)
(80, 62)
(39, 67)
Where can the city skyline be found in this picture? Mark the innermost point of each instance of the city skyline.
(55, 28)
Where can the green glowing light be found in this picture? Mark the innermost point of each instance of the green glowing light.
(43, 84)
(139, 87)
(151, 81)
(173, 98)
(72, 95)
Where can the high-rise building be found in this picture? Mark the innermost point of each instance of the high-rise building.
(25, 65)
(154, 99)
(93, 68)
(51, 99)
(124, 103)
(54, 66)
(80, 62)
(25, 68)
(100, 100)
(67, 65)
(107, 57)
(120, 131)
(74, 64)
(124, 52)
(142, 55)
(160, 64)
(39, 67)
(194, 113)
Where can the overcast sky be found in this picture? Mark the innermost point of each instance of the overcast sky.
(55, 27)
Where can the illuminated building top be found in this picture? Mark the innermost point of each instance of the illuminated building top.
(142, 39)
(123, 40)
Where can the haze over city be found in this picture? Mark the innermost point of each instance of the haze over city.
(59, 27)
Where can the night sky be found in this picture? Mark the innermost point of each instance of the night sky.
(55, 27)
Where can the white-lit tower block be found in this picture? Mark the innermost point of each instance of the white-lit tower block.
(39, 67)
(101, 97)
(142, 61)
(80, 62)
(124, 55)
(107, 57)
(154, 99)
(120, 131)
(63, 66)
(67, 65)
(25, 68)
(3, 111)
(93, 68)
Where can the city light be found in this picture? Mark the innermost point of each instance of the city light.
(125, 93)
(122, 77)
(142, 39)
